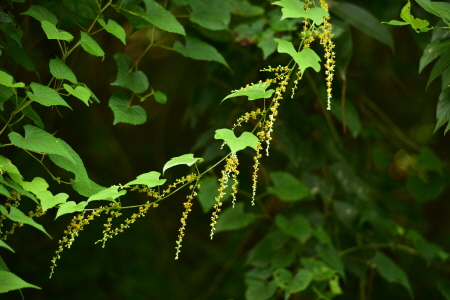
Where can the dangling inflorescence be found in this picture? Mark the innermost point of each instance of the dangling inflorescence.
(187, 209)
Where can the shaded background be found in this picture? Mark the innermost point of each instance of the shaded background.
(395, 110)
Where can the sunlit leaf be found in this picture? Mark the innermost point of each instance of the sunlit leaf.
(199, 50)
(37, 185)
(87, 187)
(440, 9)
(135, 81)
(160, 97)
(74, 165)
(246, 139)
(38, 140)
(119, 104)
(294, 9)
(114, 28)
(61, 71)
(90, 45)
(234, 218)
(48, 200)
(305, 58)
(7, 80)
(253, 92)
(15, 186)
(10, 281)
(287, 187)
(109, 194)
(6, 246)
(46, 96)
(18, 216)
(7, 166)
(416, 23)
(187, 159)
(161, 18)
(54, 33)
(80, 92)
(70, 207)
(150, 179)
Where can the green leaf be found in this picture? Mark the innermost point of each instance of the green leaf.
(17, 187)
(297, 227)
(9, 282)
(423, 191)
(440, 9)
(246, 139)
(443, 286)
(318, 268)
(30, 113)
(417, 24)
(46, 96)
(294, 284)
(294, 9)
(427, 160)
(210, 14)
(61, 71)
(150, 179)
(41, 13)
(38, 140)
(48, 200)
(268, 46)
(208, 191)
(429, 250)
(352, 120)
(74, 165)
(12, 30)
(199, 50)
(187, 159)
(160, 97)
(5, 192)
(7, 80)
(334, 285)
(258, 289)
(17, 216)
(54, 33)
(5, 245)
(390, 271)
(443, 110)
(109, 194)
(136, 81)
(329, 254)
(362, 20)
(305, 58)
(70, 207)
(90, 45)
(80, 92)
(287, 187)
(440, 66)
(13, 49)
(86, 8)
(86, 188)
(119, 104)
(7, 166)
(245, 9)
(114, 28)
(396, 23)
(234, 218)
(37, 185)
(161, 18)
(253, 92)
(267, 249)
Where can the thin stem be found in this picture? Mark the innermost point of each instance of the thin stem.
(380, 246)
(136, 63)
(40, 161)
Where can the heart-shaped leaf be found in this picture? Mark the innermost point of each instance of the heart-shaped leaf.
(150, 179)
(119, 104)
(255, 91)
(48, 200)
(70, 207)
(80, 92)
(54, 33)
(46, 96)
(294, 9)
(114, 28)
(7, 80)
(61, 71)
(187, 159)
(90, 45)
(136, 81)
(36, 186)
(41, 13)
(305, 58)
(39, 140)
(246, 139)
(109, 194)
